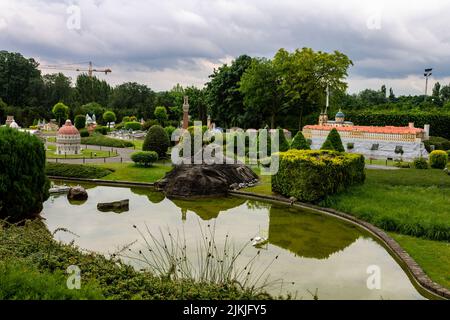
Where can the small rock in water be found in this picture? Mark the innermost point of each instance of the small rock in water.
(77, 193)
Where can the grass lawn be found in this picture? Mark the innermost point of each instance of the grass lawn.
(411, 201)
(86, 153)
(132, 172)
(432, 256)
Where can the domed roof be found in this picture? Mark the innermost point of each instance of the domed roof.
(68, 129)
(340, 114)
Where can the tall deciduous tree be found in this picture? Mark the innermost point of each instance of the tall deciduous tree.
(90, 89)
(61, 112)
(136, 98)
(306, 74)
(263, 95)
(223, 95)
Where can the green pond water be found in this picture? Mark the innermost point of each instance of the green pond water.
(315, 251)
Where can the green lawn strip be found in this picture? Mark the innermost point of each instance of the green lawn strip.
(101, 140)
(135, 173)
(32, 265)
(85, 153)
(432, 256)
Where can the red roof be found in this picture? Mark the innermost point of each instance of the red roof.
(68, 129)
(370, 129)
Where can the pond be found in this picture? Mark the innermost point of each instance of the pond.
(314, 251)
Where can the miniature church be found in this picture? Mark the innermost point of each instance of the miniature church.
(68, 140)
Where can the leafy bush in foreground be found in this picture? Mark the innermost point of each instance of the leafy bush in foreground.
(23, 183)
(145, 158)
(438, 159)
(310, 175)
(101, 140)
(75, 171)
(34, 244)
(133, 125)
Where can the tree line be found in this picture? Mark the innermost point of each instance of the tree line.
(287, 91)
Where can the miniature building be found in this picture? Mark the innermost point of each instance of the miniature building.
(68, 139)
(50, 126)
(373, 142)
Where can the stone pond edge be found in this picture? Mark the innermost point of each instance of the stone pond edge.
(418, 275)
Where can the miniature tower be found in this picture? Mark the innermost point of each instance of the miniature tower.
(186, 112)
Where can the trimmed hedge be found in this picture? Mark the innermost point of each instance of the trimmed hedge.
(157, 140)
(75, 170)
(333, 142)
(84, 133)
(438, 121)
(102, 130)
(145, 158)
(101, 140)
(311, 175)
(438, 159)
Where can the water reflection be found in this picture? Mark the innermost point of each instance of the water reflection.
(314, 250)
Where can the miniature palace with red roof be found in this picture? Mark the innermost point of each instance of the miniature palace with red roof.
(386, 142)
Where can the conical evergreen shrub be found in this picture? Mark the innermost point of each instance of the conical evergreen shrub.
(157, 140)
(299, 142)
(283, 143)
(333, 142)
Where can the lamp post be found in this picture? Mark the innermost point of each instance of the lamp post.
(426, 74)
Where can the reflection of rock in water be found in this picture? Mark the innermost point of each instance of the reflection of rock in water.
(77, 202)
(207, 208)
(153, 195)
(308, 234)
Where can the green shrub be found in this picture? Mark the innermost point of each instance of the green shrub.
(101, 140)
(299, 142)
(75, 171)
(170, 130)
(80, 121)
(119, 126)
(311, 175)
(23, 183)
(21, 281)
(283, 144)
(102, 130)
(157, 140)
(420, 163)
(439, 143)
(350, 145)
(402, 164)
(438, 159)
(133, 125)
(333, 142)
(145, 158)
(150, 123)
(109, 116)
(84, 133)
(160, 114)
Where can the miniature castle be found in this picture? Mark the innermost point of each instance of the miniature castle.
(386, 142)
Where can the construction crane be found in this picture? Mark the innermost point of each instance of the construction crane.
(67, 67)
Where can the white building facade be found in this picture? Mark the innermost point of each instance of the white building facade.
(388, 142)
(68, 140)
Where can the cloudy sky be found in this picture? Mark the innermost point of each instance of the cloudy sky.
(161, 43)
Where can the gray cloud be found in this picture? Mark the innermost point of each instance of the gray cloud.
(183, 40)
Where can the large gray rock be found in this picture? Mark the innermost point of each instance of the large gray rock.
(205, 180)
(77, 193)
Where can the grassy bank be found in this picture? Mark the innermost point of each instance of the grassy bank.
(409, 201)
(135, 173)
(33, 266)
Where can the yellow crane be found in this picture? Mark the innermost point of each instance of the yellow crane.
(90, 70)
